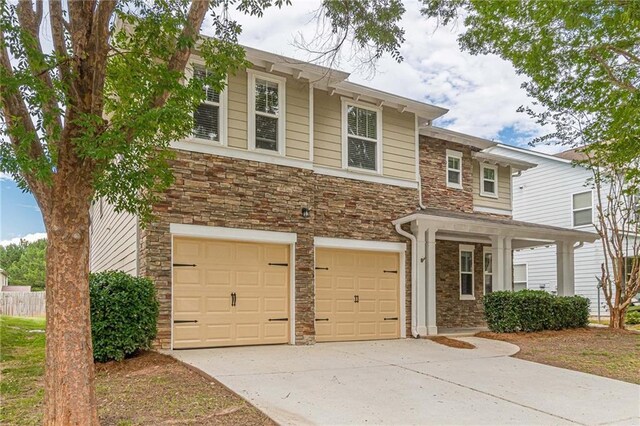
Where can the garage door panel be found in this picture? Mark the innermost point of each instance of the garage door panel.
(350, 273)
(203, 293)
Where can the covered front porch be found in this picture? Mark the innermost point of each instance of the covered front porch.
(458, 257)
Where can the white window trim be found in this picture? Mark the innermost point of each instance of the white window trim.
(458, 155)
(486, 250)
(484, 193)
(574, 210)
(222, 119)
(526, 276)
(346, 102)
(466, 248)
(251, 106)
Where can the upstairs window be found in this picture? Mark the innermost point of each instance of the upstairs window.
(362, 127)
(208, 116)
(488, 181)
(582, 208)
(266, 112)
(454, 169)
(466, 272)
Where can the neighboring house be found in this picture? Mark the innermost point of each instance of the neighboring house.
(556, 192)
(308, 208)
(4, 278)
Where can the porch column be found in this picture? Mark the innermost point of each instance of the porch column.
(432, 328)
(420, 296)
(497, 250)
(565, 268)
(508, 265)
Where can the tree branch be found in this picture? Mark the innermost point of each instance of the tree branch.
(98, 50)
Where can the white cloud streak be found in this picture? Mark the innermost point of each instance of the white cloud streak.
(29, 238)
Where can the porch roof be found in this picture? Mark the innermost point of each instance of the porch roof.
(525, 234)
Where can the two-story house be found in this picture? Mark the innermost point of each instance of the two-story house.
(307, 208)
(559, 193)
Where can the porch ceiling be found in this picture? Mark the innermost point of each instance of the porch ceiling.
(450, 224)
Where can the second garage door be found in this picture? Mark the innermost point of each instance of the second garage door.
(228, 293)
(357, 295)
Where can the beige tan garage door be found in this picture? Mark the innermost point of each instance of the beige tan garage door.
(357, 295)
(228, 293)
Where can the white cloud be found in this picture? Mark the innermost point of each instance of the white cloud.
(5, 176)
(482, 92)
(29, 237)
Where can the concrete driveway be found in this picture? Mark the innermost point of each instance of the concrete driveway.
(414, 382)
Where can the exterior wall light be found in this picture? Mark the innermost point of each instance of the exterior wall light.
(306, 212)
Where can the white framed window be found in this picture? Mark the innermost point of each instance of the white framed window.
(582, 208)
(266, 121)
(487, 269)
(454, 169)
(361, 137)
(520, 277)
(488, 181)
(466, 272)
(210, 117)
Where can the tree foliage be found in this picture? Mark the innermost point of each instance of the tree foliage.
(25, 263)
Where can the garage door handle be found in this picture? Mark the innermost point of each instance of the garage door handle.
(184, 264)
(322, 319)
(318, 268)
(390, 272)
(183, 321)
(233, 299)
(278, 319)
(278, 264)
(391, 319)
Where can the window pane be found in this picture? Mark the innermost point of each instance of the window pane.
(488, 284)
(519, 273)
(582, 217)
(454, 163)
(454, 177)
(582, 201)
(362, 122)
(466, 264)
(206, 122)
(210, 94)
(466, 284)
(266, 132)
(488, 263)
(362, 154)
(489, 186)
(266, 96)
(519, 286)
(489, 174)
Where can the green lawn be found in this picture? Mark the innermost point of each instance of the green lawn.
(22, 366)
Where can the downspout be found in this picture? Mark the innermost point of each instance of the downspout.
(414, 272)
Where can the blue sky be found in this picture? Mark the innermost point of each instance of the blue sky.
(482, 93)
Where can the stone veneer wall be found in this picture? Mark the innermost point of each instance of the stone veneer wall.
(450, 310)
(217, 191)
(433, 169)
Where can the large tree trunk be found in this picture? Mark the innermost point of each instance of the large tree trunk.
(69, 374)
(616, 318)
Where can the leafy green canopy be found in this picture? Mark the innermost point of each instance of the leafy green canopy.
(581, 57)
(25, 263)
(108, 112)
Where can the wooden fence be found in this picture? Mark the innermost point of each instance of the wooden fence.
(22, 303)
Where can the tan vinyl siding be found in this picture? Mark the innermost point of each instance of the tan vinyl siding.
(237, 110)
(327, 143)
(113, 239)
(297, 125)
(398, 144)
(503, 201)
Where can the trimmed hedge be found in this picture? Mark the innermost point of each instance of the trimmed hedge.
(632, 318)
(124, 313)
(534, 310)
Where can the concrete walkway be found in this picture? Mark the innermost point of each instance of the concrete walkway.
(414, 382)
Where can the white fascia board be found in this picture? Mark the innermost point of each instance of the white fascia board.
(233, 234)
(456, 137)
(368, 245)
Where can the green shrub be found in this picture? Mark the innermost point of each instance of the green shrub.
(124, 312)
(632, 318)
(534, 310)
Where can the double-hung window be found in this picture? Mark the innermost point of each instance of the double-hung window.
(266, 112)
(454, 169)
(208, 118)
(488, 181)
(487, 270)
(466, 272)
(362, 137)
(582, 208)
(520, 277)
